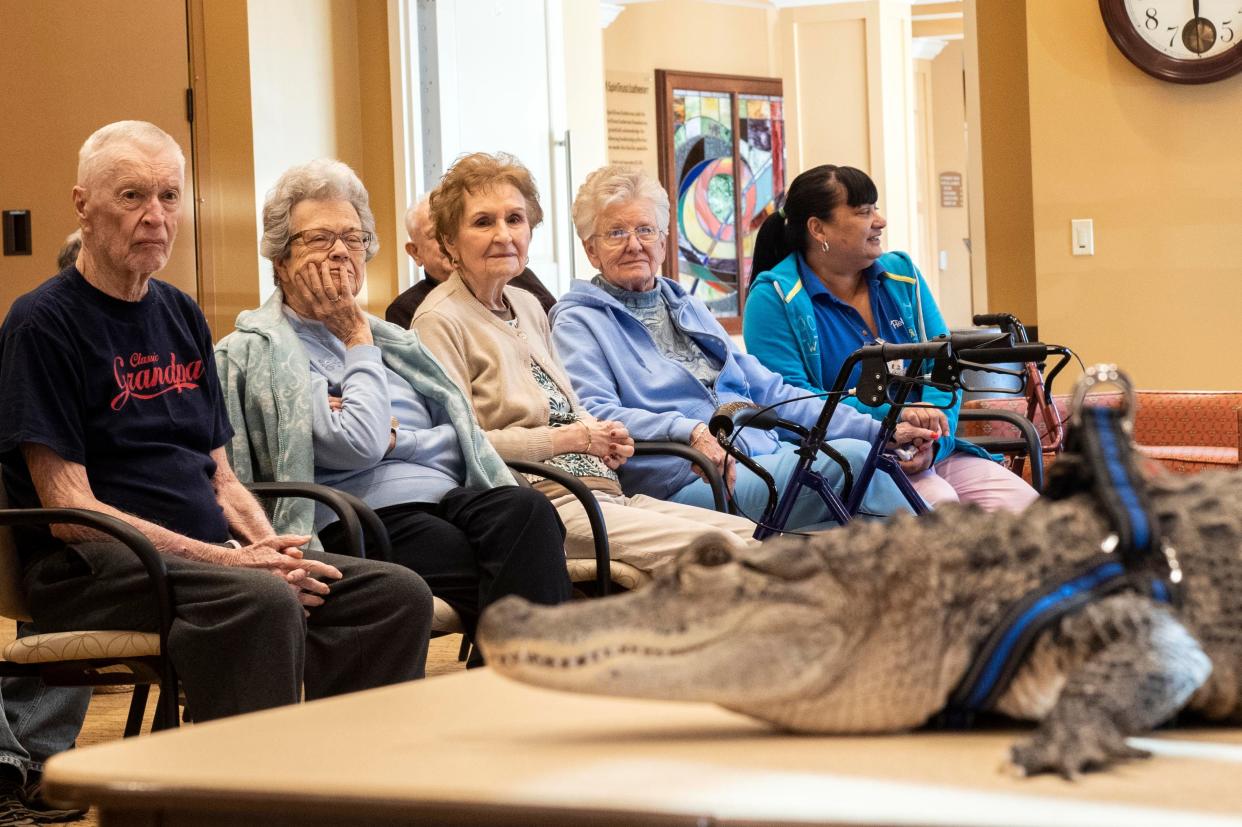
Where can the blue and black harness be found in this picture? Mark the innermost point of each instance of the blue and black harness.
(1100, 459)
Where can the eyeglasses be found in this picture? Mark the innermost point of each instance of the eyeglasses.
(646, 235)
(320, 240)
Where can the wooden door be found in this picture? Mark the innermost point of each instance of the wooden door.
(68, 68)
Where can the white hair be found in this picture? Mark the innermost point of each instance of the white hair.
(616, 184)
(410, 213)
(105, 143)
(321, 180)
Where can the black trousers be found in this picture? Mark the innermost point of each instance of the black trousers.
(476, 546)
(240, 640)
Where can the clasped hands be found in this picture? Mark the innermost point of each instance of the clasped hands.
(281, 554)
(608, 440)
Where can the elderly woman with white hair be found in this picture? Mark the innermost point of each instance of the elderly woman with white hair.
(319, 389)
(643, 352)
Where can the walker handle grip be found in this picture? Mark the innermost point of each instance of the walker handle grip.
(916, 350)
(732, 417)
(1033, 352)
(970, 339)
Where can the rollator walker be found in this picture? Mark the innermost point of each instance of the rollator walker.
(937, 363)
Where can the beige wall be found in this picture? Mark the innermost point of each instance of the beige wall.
(949, 155)
(693, 36)
(846, 70)
(828, 123)
(849, 80)
(319, 88)
(1005, 141)
(54, 98)
(1157, 166)
(584, 97)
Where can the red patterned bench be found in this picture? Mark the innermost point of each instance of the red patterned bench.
(1185, 431)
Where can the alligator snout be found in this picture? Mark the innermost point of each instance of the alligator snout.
(504, 616)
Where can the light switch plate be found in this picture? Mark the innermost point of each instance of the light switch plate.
(1082, 236)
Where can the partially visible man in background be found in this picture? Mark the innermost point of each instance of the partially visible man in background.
(425, 249)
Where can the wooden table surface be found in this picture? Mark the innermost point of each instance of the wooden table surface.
(476, 748)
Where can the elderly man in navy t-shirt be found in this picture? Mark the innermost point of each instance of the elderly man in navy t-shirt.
(109, 401)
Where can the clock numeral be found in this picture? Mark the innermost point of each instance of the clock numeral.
(1226, 25)
(1175, 30)
(1152, 22)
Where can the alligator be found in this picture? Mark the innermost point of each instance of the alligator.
(869, 628)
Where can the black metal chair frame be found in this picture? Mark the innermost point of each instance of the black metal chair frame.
(599, 531)
(1029, 441)
(143, 671)
(720, 495)
(365, 534)
(576, 487)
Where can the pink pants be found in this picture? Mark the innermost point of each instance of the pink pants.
(969, 479)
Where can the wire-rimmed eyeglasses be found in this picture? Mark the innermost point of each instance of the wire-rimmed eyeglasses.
(320, 240)
(619, 237)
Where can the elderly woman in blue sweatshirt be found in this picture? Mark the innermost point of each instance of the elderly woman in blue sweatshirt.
(317, 388)
(825, 287)
(639, 350)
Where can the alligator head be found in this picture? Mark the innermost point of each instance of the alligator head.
(809, 634)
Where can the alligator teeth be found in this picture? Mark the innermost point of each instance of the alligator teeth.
(593, 657)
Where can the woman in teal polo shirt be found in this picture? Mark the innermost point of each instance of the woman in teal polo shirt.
(825, 287)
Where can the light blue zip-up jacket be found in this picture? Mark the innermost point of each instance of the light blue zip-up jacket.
(780, 330)
(266, 378)
(619, 373)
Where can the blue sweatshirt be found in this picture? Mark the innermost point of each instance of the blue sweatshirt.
(619, 373)
(794, 326)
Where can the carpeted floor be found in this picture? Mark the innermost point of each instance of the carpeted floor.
(106, 719)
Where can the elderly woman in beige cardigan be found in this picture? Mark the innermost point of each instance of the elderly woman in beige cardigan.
(493, 341)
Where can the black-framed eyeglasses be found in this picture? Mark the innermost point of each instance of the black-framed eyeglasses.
(646, 235)
(320, 240)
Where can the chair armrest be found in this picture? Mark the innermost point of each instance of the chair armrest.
(696, 458)
(1034, 449)
(599, 531)
(330, 497)
(378, 544)
(133, 539)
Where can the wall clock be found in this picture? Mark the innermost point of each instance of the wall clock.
(1184, 41)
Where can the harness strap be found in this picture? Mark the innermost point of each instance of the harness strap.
(1004, 650)
(1117, 484)
(1099, 458)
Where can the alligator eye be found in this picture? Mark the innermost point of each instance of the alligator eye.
(713, 556)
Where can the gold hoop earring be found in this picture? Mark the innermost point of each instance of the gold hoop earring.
(824, 245)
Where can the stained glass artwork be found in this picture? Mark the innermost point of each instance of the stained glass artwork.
(708, 188)
(761, 145)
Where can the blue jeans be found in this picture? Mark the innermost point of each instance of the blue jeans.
(751, 493)
(39, 720)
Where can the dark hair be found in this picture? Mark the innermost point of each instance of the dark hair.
(814, 193)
